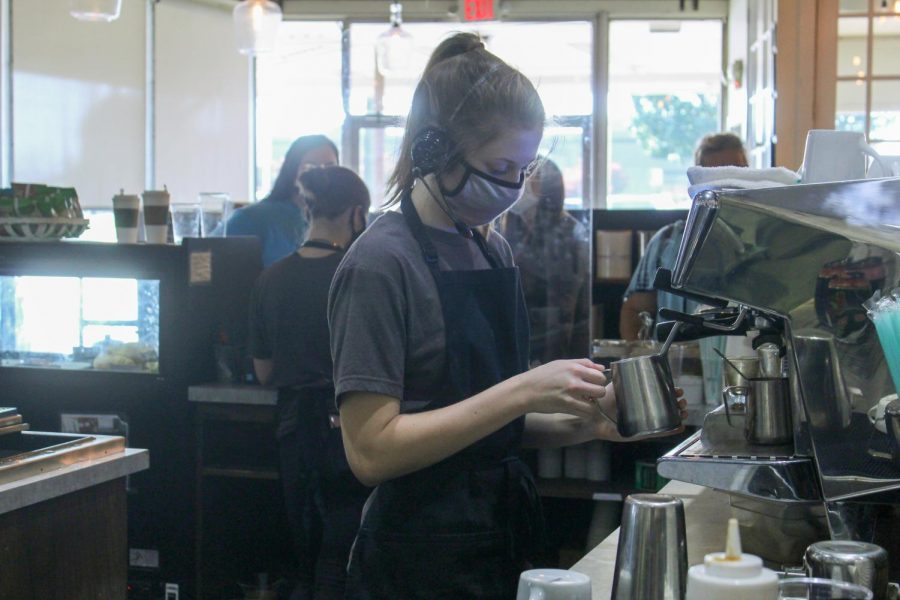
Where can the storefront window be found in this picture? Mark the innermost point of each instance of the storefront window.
(868, 70)
(665, 93)
(298, 92)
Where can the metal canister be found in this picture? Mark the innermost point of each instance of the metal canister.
(850, 561)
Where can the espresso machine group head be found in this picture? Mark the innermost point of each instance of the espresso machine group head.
(793, 266)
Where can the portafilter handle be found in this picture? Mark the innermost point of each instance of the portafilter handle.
(695, 327)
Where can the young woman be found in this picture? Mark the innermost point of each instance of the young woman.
(278, 220)
(429, 337)
(290, 349)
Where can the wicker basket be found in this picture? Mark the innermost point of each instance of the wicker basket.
(40, 228)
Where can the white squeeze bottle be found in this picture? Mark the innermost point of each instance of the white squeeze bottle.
(731, 575)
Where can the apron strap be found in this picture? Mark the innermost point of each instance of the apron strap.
(428, 250)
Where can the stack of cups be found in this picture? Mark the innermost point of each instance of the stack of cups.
(156, 216)
(213, 213)
(125, 212)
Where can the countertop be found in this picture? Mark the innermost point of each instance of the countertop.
(71, 478)
(230, 393)
(706, 514)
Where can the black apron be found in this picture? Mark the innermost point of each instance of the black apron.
(468, 525)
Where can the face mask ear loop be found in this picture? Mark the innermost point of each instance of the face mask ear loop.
(461, 227)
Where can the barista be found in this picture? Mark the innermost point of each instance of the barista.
(430, 343)
(290, 349)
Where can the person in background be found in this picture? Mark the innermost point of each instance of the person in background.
(552, 250)
(429, 335)
(278, 220)
(289, 343)
(714, 150)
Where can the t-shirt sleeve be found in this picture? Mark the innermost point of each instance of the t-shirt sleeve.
(645, 272)
(258, 343)
(242, 223)
(367, 320)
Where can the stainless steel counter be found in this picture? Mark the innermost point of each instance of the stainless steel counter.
(706, 514)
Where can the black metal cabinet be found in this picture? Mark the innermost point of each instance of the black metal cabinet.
(203, 293)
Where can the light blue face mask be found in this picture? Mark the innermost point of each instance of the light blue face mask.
(480, 199)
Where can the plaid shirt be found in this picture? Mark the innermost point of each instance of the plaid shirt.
(661, 252)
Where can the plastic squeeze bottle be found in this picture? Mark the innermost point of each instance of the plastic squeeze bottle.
(731, 575)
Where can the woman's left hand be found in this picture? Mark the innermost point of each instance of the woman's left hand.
(605, 427)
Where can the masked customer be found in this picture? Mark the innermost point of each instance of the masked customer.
(289, 343)
(552, 250)
(429, 336)
(278, 220)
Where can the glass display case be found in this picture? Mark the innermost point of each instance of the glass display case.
(80, 323)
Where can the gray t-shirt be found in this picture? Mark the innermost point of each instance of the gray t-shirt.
(387, 329)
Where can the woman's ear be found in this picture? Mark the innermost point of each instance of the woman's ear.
(359, 217)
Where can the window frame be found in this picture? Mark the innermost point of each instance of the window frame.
(596, 139)
(868, 78)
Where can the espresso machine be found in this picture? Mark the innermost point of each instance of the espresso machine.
(793, 266)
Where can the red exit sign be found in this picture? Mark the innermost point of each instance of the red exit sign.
(478, 10)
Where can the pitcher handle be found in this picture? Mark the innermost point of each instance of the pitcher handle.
(726, 393)
(869, 150)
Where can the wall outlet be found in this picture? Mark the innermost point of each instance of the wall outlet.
(171, 591)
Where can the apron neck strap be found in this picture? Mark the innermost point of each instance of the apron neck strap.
(428, 250)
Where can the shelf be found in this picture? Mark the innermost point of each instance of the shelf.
(583, 489)
(240, 473)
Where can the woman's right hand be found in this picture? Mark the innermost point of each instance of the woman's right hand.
(564, 386)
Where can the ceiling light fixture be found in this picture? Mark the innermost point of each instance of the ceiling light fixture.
(256, 26)
(394, 47)
(95, 10)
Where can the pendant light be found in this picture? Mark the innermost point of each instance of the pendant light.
(256, 26)
(95, 10)
(394, 47)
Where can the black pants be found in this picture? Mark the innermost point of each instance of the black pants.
(324, 505)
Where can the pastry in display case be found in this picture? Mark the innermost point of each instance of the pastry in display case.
(79, 323)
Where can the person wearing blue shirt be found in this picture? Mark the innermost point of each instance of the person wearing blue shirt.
(279, 219)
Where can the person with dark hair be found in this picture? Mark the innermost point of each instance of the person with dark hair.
(278, 220)
(289, 343)
(552, 250)
(720, 150)
(429, 336)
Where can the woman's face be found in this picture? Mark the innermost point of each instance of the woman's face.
(320, 157)
(505, 157)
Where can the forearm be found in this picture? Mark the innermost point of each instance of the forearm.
(383, 444)
(557, 430)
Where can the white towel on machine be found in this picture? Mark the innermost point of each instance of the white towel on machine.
(717, 178)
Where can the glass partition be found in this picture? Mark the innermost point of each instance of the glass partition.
(79, 323)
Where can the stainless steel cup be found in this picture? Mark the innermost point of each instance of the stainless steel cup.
(651, 561)
(851, 562)
(645, 396)
(768, 419)
(769, 412)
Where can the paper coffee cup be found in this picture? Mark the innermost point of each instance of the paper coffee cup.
(125, 212)
(156, 216)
